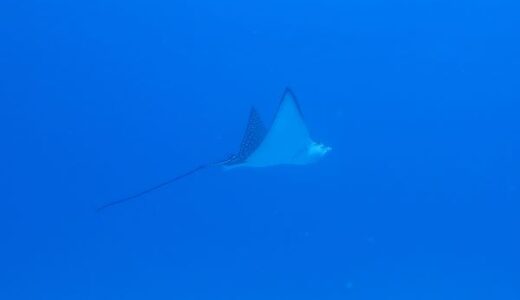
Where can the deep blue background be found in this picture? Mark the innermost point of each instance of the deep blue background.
(418, 200)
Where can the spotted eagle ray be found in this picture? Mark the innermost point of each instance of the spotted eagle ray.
(286, 142)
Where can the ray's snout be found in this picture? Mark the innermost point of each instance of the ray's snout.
(317, 151)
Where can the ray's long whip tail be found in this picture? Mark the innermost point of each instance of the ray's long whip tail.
(161, 185)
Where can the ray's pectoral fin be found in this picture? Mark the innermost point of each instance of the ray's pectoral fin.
(253, 136)
(287, 138)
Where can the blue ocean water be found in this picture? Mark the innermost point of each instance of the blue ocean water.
(419, 198)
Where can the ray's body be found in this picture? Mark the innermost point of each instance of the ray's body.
(286, 142)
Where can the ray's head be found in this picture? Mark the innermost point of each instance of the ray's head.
(318, 150)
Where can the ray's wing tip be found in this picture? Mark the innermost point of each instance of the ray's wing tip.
(288, 91)
(288, 94)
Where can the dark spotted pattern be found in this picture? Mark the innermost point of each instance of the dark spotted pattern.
(253, 137)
